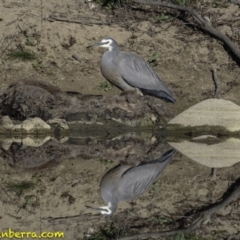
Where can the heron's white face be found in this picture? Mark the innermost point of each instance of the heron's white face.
(106, 43)
(106, 210)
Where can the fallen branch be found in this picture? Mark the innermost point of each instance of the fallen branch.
(202, 22)
(204, 216)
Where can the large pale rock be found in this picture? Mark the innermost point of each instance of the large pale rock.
(32, 124)
(6, 122)
(212, 112)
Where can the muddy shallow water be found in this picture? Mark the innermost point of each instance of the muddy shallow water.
(47, 188)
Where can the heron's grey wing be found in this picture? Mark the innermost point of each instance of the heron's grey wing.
(137, 72)
(137, 180)
(109, 182)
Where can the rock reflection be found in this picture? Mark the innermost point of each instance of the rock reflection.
(19, 155)
(125, 183)
(31, 152)
(210, 151)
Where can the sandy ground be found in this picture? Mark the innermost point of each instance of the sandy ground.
(185, 60)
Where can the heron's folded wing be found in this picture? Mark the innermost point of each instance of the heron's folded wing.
(138, 73)
(137, 180)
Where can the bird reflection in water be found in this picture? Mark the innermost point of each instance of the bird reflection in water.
(126, 183)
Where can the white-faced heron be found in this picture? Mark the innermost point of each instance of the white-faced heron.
(125, 183)
(130, 72)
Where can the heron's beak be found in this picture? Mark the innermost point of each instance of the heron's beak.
(99, 44)
(95, 208)
(96, 44)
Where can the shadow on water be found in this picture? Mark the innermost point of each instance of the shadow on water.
(47, 183)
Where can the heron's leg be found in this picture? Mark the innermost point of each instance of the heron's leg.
(132, 91)
(123, 85)
(132, 96)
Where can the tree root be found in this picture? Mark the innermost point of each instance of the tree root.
(203, 23)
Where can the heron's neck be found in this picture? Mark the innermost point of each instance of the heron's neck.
(111, 49)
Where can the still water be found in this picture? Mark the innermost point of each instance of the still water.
(71, 184)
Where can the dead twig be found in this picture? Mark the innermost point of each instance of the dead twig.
(216, 81)
(80, 217)
(83, 22)
(204, 216)
(76, 57)
(12, 216)
(202, 22)
(16, 19)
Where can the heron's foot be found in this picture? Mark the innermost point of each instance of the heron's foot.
(132, 95)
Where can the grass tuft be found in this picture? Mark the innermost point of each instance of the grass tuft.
(20, 187)
(105, 86)
(22, 55)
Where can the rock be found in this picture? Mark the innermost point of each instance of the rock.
(58, 123)
(6, 122)
(29, 99)
(211, 112)
(32, 124)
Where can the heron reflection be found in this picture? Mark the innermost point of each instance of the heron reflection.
(126, 183)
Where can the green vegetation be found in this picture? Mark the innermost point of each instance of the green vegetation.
(22, 54)
(105, 86)
(218, 234)
(20, 187)
(107, 232)
(183, 3)
(105, 161)
(220, 5)
(31, 42)
(155, 188)
(154, 57)
(161, 18)
(37, 66)
(30, 199)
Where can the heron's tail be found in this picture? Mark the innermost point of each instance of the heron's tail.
(166, 157)
(168, 97)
